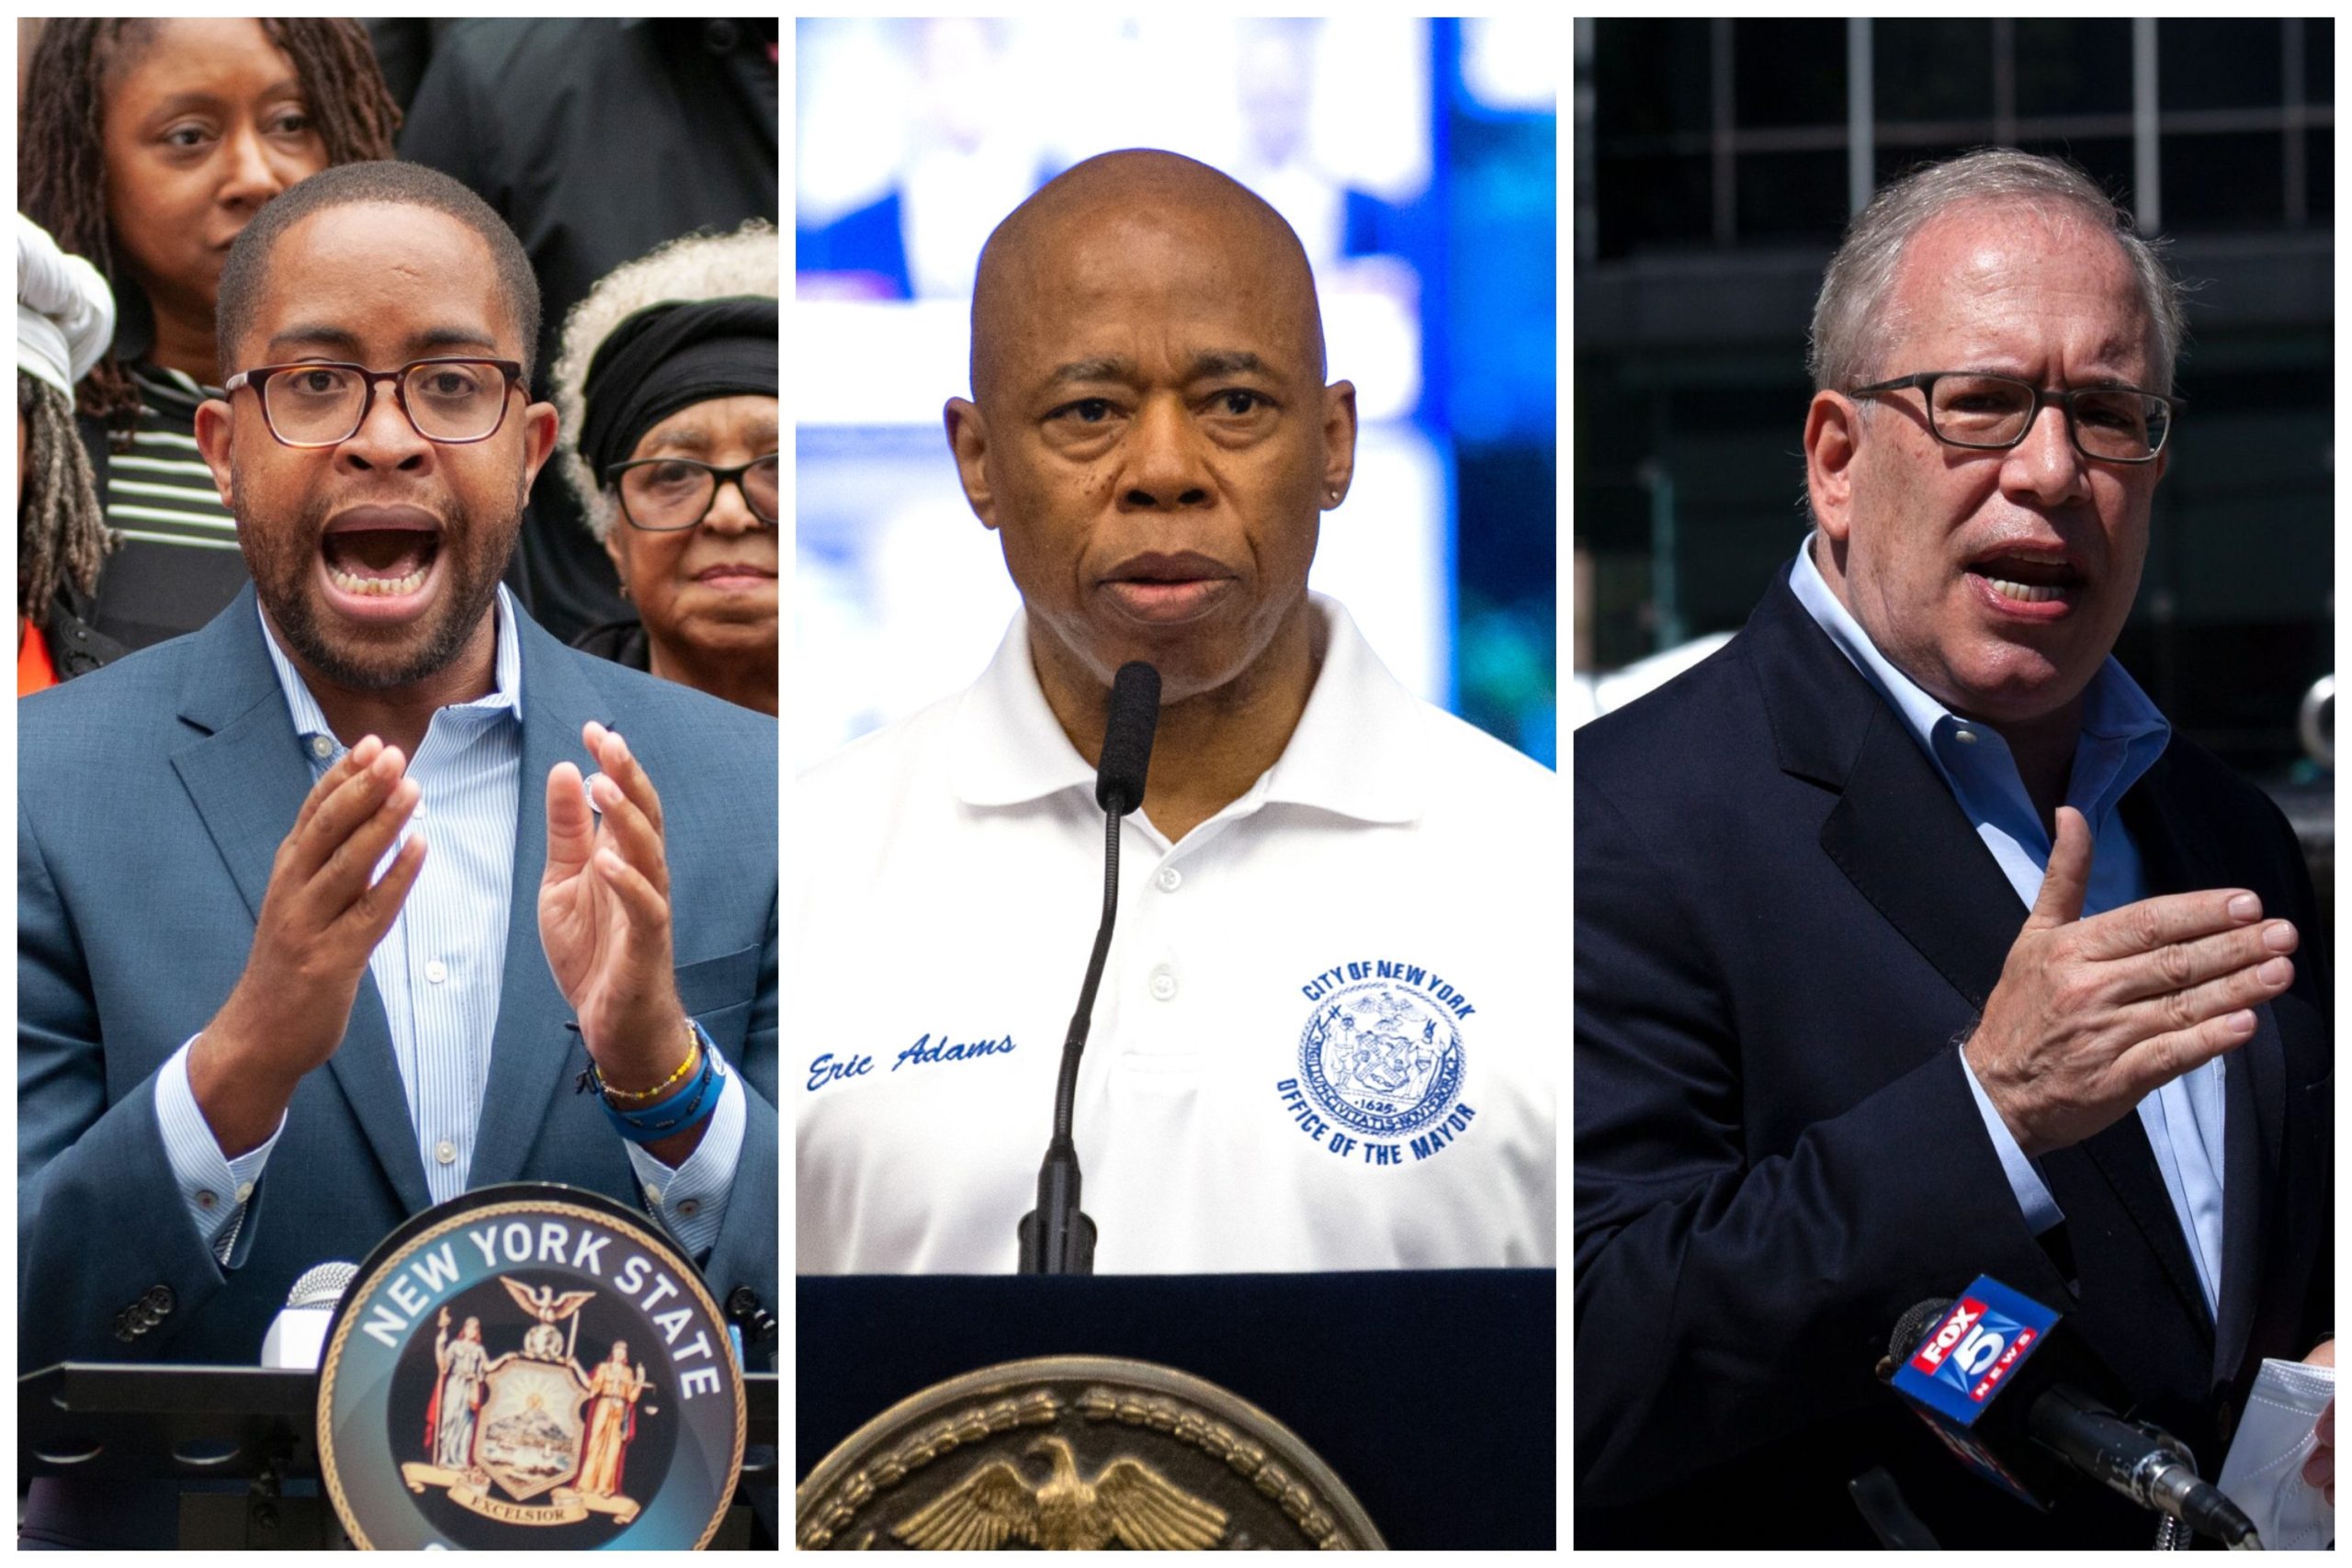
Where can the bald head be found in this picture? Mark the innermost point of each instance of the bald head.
(1113, 209)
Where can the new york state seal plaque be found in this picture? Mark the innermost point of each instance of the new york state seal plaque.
(529, 1367)
(1075, 1453)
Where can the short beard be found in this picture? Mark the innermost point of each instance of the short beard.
(290, 608)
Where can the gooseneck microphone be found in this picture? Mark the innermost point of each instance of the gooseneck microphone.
(1980, 1369)
(1056, 1236)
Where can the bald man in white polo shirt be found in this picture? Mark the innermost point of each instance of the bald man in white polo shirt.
(1326, 1037)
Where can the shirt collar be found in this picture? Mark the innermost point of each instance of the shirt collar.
(505, 695)
(2119, 725)
(1358, 749)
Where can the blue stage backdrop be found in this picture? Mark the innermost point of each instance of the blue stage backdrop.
(1416, 158)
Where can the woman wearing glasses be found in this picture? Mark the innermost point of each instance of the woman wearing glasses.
(669, 376)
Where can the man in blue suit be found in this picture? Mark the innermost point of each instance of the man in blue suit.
(1912, 945)
(261, 1021)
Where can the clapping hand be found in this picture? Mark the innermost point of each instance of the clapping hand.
(323, 914)
(604, 915)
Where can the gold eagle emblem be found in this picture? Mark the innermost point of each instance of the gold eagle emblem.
(1126, 1500)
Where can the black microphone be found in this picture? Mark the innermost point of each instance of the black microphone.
(1056, 1236)
(2029, 1408)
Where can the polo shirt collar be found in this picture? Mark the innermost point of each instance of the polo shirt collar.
(1357, 750)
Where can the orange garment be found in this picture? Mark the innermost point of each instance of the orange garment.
(34, 671)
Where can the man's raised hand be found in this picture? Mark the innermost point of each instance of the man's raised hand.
(2090, 1015)
(323, 914)
(604, 915)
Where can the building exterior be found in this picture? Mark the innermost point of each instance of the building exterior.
(1717, 161)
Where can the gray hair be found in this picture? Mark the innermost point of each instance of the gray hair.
(1851, 315)
(699, 266)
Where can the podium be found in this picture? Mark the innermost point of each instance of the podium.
(1432, 1395)
(236, 1449)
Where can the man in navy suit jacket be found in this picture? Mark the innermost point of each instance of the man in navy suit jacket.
(206, 833)
(1911, 945)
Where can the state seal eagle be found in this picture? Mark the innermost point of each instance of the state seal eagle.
(1126, 1500)
(542, 1303)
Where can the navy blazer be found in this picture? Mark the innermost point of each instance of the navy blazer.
(1784, 923)
(152, 798)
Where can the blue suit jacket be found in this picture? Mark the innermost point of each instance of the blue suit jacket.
(151, 798)
(1784, 921)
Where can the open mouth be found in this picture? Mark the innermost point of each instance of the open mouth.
(2029, 580)
(379, 555)
(380, 562)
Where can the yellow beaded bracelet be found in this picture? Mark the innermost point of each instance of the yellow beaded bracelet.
(685, 1070)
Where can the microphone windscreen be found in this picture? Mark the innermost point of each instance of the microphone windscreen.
(1126, 737)
(1913, 1326)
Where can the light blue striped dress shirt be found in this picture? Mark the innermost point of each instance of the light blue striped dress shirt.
(2123, 737)
(438, 971)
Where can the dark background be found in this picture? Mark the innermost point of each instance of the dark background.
(1716, 164)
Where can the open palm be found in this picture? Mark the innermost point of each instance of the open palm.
(605, 908)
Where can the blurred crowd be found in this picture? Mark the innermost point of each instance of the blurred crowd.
(635, 160)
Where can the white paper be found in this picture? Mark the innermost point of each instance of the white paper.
(2264, 1472)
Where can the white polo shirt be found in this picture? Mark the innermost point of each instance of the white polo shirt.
(1327, 1033)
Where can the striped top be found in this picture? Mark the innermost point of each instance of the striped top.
(178, 565)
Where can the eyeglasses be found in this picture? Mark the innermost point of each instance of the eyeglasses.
(324, 403)
(663, 495)
(2116, 425)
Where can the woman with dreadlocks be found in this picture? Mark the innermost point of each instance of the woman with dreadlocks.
(64, 319)
(147, 145)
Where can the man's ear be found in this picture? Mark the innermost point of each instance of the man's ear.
(539, 422)
(215, 430)
(967, 437)
(1831, 442)
(1339, 441)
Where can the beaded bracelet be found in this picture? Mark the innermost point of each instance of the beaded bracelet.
(686, 1108)
(662, 1089)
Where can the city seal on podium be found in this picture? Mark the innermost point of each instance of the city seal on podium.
(1075, 1453)
(529, 1367)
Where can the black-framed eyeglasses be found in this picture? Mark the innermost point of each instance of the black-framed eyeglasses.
(322, 402)
(663, 495)
(1966, 408)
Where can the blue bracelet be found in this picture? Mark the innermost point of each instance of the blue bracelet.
(696, 1101)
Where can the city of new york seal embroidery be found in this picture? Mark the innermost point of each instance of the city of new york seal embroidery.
(1381, 1064)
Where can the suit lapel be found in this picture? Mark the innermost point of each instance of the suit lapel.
(1897, 817)
(1895, 830)
(530, 1046)
(247, 777)
(1904, 842)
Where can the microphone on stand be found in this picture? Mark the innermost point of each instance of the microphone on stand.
(2029, 1408)
(1056, 1236)
(297, 1336)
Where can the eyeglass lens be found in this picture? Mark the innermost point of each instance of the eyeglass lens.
(447, 400)
(1993, 410)
(675, 494)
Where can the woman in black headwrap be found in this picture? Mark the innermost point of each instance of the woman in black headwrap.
(676, 460)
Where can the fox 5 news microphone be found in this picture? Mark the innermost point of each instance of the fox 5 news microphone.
(2029, 1408)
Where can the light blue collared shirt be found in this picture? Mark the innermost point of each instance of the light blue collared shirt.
(438, 970)
(2122, 736)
